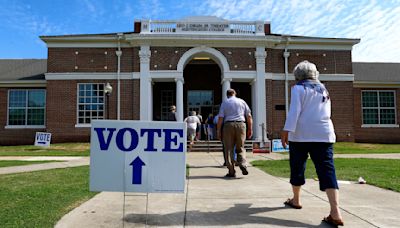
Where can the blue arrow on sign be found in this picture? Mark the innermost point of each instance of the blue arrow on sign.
(137, 170)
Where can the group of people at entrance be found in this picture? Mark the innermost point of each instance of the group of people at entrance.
(308, 131)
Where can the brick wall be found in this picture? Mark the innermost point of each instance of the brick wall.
(328, 62)
(375, 135)
(166, 58)
(13, 136)
(239, 58)
(91, 60)
(341, 94)
(62, 102)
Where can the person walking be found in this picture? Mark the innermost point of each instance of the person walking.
(192, 122)
(233, 113)
(210, 127)
(309, 131)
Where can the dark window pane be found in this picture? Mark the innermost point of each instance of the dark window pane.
(370, 116)
(386, 99)
(387, 116)
(17, 98)
(369, 99)
(36, 98)
(16, 117)
(35, 117)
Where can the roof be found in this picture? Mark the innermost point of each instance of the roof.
(377, 72)
(22, 69)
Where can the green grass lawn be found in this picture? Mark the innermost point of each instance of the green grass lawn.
(18, 163)
(40, 199)
(62, 149)
(365, 148)
(383, 173)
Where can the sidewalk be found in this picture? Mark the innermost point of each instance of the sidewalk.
(63, 162)
(255, 200)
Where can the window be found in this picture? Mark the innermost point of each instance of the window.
(167, 99)
(26, 107)
(90, 102)
(378, 107)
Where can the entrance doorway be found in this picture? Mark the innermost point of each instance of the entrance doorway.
(202, 88)
(201, 101)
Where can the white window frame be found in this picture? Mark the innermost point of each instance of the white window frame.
(25, 126)
(379, 108)
(85, 125)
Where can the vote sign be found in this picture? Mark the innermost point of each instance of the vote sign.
(137, 156)
(42, 139)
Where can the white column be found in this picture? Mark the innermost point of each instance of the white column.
(179, 99)
(145, 83)
(254, 102)
(260, 110)
(286, 55)
(226, 84)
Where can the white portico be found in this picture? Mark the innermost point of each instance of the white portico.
(205, 36)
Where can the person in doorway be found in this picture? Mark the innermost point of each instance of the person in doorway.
(233, 113)
(192, 122)
(172, 113)
(309, 131)
(198, 129)
(210, 127)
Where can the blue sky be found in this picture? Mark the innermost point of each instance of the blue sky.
(376, 22)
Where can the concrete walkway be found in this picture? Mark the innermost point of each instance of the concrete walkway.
(255, 200)
(64, 162)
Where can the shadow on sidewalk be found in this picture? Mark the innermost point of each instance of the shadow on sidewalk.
(240, 214)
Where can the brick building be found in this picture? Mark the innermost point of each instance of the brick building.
(189, 63)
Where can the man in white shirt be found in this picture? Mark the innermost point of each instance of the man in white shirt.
(233, 113)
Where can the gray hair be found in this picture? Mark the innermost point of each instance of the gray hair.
(305, 70)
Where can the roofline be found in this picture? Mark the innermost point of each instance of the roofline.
(23, 83)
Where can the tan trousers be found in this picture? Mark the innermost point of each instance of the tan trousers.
(234, 134)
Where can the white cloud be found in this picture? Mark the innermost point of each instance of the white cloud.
(375, 22)
(20, 19)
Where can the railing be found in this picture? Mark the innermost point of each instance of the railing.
(195, 27)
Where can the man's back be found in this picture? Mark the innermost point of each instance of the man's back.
(234, 109)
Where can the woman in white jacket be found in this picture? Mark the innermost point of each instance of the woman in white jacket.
(309, 131)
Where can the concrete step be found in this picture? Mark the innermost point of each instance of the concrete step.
(215, 146)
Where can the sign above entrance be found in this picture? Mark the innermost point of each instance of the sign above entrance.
(205, 25)
(202, 27)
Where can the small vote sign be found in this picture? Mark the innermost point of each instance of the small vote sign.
(137, 156)
(42, 139)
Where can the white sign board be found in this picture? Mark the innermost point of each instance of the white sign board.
(42, 139)
(137, 156)
(276, 146)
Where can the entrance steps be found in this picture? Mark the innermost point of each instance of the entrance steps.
(214, 146)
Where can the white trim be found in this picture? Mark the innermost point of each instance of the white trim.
(218, 58)
(380, 126)
(23, 83)
(241, 75)
(25, 127)
(310, 46)
(322, 77)
(91, 76)
(375, 84)
(165, 75)
(84, 44)
(83, 125)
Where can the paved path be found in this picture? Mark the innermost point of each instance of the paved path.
(66, 162)
(255, 200)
